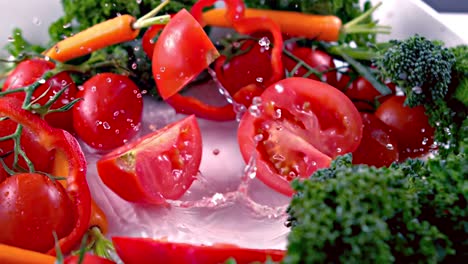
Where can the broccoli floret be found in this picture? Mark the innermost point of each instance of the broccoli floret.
(422, 68)
(461, 59)
(414, 212)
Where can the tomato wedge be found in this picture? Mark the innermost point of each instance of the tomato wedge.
(182, 51)
(146, 250)
(159, 166)
(302, 125)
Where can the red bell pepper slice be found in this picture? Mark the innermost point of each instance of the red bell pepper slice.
(69, 162)
(146, 250)
(235, 10)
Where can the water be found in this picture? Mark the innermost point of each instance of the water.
(225, 204)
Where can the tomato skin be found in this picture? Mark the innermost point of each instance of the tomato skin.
(251, 67)
(195, 52)
(315, 58)
(29, 71)
(88, 259)
(159, 166)
(38, 154)
(411, 127)
(378, 146)
(31, 209)
(110, 111)
(145, 250)
(316, 122)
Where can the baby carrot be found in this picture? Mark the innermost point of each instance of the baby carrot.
(14, 255)
(110, 32)
(320, 27)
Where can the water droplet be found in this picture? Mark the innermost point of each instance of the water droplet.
(264, 42)
(216, 152)
(279, 88)
(106, 125)
(67, 25)
(93, 88)
(10, 39)
(134, 66)
(158, 76)
(36, 21)
(117, 131)
(259, 79)
(136, 48)
(258, 137)
(162, 69)
(41, 81)
(417, 90)
(389, 147)
(108, 79)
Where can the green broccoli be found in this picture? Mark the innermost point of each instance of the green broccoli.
(414, 212)
(420, 67)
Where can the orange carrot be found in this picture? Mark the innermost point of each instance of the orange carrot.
(319, 27)
(14, 255)
(117, 30)
(107, 33)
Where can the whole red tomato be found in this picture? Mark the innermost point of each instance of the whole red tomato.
(317, 59)
(31, 209)
(411, 127)
(110, 111)
(298, 128)
(251, 66)
(378, 145)
(40, 157)
(29, 71)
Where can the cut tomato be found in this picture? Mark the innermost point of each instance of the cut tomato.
(159, 166)
(302, 124)
(145, 250)
(183, 50)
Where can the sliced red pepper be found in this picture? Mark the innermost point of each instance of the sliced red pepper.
(146, 250)
(235, 10)
(69, 162)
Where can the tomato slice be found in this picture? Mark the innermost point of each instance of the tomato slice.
(183, 50)
(145, 250)
(303, 125)
(162, 165)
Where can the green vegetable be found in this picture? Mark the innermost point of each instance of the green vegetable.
(414, 212)
(420, 67)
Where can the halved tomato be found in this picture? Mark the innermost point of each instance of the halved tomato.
(159, 166)
(299, 127)
(146, 250)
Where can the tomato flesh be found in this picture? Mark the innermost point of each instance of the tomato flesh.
(159, 166)
(378, 146)
(110, 111)
(302, 125)
(31, 209)
(183, 50)
(145, 250)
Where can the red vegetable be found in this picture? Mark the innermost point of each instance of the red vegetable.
(68, 162)
(31, 209)
(88, 259)
(159, 166)
(144, 250)
(378, 146)
(302, 124)
(110, 111)
(411, 127)
(30, 71)
(318, 60)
